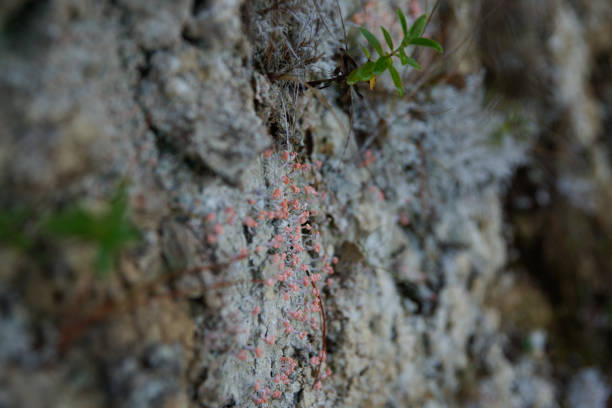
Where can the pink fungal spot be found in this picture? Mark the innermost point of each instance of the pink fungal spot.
(242, 254)
(231, 215)
(328, 269)
(277, 241)
(277, 194)
(242, 355)
(369, 159)
(310, 190)
(256, 310)
(250, 222)
(305, 214)
(269, 340)
(298, 314)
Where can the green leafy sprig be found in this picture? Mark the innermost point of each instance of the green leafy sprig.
(371, 69)
(110, 231)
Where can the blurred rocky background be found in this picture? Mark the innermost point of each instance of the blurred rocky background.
(469, 221)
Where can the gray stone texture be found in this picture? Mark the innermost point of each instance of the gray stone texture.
(183, 100)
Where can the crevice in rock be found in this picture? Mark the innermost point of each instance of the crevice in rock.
(24, 32)
(192, 40)
(199, 6)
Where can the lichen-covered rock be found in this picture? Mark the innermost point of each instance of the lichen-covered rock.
(221, 133)
(298, 246)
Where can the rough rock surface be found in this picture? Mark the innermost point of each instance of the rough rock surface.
(283, 261)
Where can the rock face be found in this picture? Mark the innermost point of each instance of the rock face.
(298, 247)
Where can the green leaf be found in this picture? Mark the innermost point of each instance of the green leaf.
(109, 231)
(363, 73)
(403, 56)
(387, 38)
(365, 51)
(406, 60)
(372, 40)
(396, 79)
(402, 19)
(105, 259)
(353, 77)
(412, 62)
(426, 42)
(418, 27)
(12, 226)
(74, 222)
(381, 65)
(367, 70)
